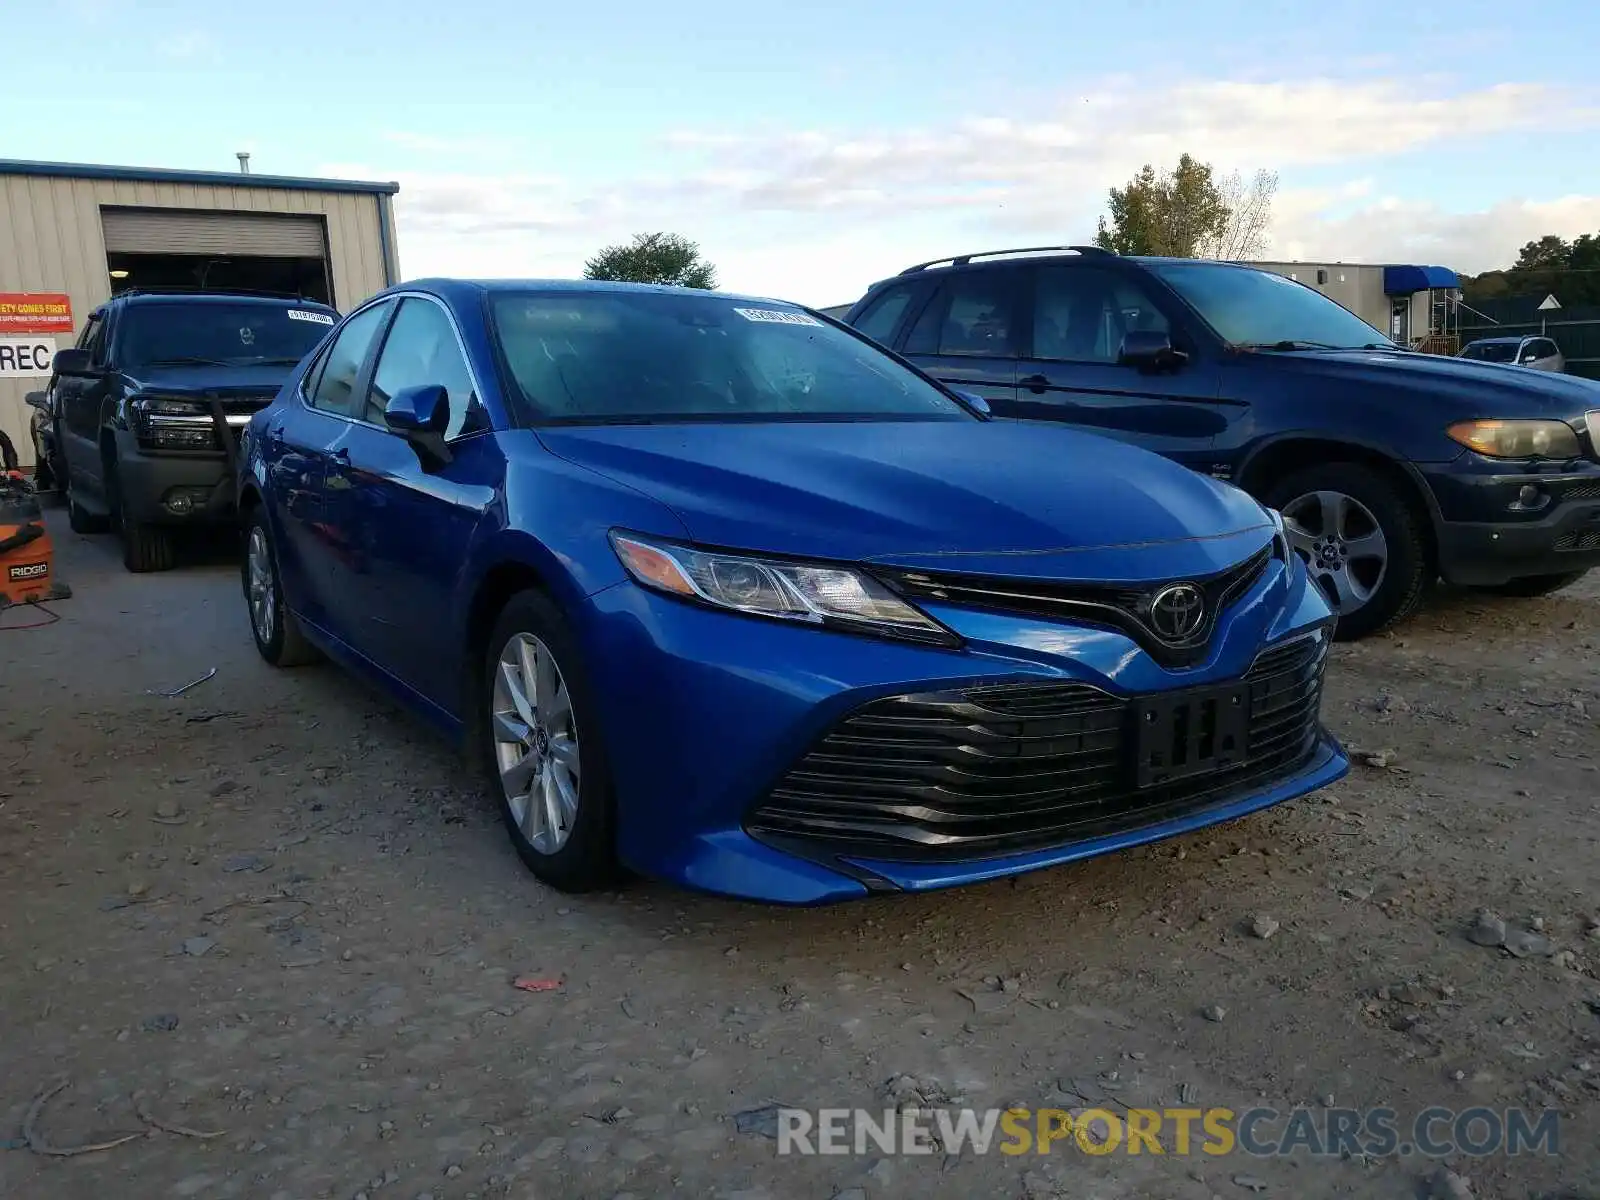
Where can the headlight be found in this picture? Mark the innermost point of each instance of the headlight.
(164, 423)
(1280, 535)
(814, 593)
(1517, 439)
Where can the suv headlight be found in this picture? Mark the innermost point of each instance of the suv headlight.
(1517, 439)
(163, 423)
(814, 593)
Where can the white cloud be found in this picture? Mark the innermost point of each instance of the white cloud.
(816, 215)
(1396, 230)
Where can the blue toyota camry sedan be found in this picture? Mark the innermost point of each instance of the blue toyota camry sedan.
(718, 590)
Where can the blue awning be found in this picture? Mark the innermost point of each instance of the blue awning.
(1402, 281)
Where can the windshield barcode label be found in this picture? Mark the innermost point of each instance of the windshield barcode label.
(300, 314)
(776, 316)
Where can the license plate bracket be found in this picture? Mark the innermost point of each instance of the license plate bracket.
(1190, 733)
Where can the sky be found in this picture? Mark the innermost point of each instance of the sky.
(812, 148)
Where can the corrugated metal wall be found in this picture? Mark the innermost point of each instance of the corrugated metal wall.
(51, 241)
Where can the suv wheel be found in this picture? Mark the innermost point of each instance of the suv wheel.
(546, 759)
(144, 547)
(277, 633)
(1361, 540)
(1536, 585)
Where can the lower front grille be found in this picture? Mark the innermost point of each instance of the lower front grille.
(1578, 541)
(998, 770)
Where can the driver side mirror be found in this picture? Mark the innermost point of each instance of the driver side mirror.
(39, 400)
(76, 362)
(421, 415)
(1150, 350)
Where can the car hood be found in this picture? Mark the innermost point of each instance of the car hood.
(198, 380)
(998, 497)
(1471, 388)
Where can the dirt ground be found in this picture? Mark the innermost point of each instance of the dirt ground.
(274, 907)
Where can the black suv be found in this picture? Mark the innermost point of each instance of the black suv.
(147, 404)
(1391, 467)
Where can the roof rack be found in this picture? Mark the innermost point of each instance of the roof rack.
(962, 260)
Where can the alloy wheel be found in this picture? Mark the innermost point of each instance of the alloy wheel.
(262, 595)
(1342, 545)
(536, 743)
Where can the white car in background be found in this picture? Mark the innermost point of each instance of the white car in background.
(1539, 353)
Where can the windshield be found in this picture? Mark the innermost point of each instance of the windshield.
(169, 334)
(1260, 310)
(1500, 352)
(645, 356)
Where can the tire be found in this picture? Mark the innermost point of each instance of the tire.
(577, 851)
(145, 548)
(1530, 586)
(1367, 600)
(277, 633)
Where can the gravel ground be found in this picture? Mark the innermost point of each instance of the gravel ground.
(274, 910)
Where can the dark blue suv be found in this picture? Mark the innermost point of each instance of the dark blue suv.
(1391, 468)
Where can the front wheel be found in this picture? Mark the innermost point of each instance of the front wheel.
(1362, 542)
(546, 758)
(1530, 586)
(277, 633)
(145, 547)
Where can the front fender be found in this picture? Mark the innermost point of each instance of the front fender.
(551, 519)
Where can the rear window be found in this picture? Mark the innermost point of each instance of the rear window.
(1496, 352)
(219, 333)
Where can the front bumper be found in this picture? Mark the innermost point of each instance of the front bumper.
(705, 713)
(151, 485)
(1491, 530)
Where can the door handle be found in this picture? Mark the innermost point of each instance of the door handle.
(1035, 383)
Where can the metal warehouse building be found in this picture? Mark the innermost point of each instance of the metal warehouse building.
(71, 235)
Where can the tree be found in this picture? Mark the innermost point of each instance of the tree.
(1175, 213)
(1549, 265)
(1549, 251)
(666, 258)
(1249, 205)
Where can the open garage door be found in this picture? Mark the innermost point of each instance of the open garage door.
(264, 235)
(286, 253)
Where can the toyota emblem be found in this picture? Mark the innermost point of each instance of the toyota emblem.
(1177, 612)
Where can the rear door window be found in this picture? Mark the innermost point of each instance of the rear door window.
(973, 314)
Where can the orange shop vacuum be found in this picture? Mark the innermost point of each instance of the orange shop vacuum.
(27, 558)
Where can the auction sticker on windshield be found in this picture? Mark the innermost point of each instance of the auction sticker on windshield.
(776, 316)
(300, 314)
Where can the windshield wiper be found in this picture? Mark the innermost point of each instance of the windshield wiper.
(272, 362)
(187, 361)
(1289, 344)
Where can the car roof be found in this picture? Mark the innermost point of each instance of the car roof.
(1502, 339)
(463, 287)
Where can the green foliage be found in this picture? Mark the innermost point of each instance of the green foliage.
(666, 258)
(1177, 213)
(1549, 266)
